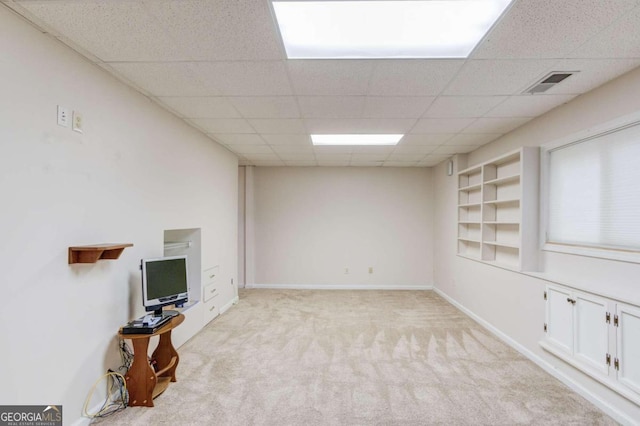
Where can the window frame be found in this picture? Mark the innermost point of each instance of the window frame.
(617, 254)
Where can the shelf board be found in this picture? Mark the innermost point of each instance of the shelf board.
(499, 244)
(471, 187)
(487, 222)
(510, 201)
(470, 205)
(470, 171)
(468, 240)
(92, 253)
(501, 180)
(469, 222)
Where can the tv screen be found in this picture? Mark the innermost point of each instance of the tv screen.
(164, 282)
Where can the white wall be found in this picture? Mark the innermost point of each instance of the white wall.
(313, 223)
(136, 171)
(513, 302)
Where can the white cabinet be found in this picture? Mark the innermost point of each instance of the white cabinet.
(497, 210)
(595, 334)
(628, 345)
(211, 293)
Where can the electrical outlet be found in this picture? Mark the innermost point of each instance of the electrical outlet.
(371, 269)
(63, 116)
(77, 122)
(346, 271)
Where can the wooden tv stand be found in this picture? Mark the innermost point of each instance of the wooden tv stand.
(143, 381)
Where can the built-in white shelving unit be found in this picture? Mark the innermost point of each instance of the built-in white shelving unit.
(498, 210)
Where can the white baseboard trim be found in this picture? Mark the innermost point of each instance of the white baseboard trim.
(339, 287)
(226, 307)
(577, 387)
(85, 421)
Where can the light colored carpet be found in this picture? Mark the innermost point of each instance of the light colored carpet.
(286, 357)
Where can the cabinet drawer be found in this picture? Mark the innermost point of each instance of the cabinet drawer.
(211, 291)
(210, 275)
(211, 309)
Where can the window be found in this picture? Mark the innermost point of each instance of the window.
(594, 193)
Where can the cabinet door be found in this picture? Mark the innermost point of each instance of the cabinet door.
(560, 319)
(591, 332)
(628, 342)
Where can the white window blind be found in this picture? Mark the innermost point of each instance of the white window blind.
(594, 192)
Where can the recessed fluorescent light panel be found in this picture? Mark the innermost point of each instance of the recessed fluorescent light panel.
(356, 139)
(385, 29)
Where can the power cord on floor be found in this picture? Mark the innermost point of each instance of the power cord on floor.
(117, 396)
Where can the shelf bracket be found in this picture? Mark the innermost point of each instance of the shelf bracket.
(95, 252)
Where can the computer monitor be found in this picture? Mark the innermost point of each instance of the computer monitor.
(164, 282)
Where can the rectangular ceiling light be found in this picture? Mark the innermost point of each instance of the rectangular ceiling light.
(385, 29)
(356, 139)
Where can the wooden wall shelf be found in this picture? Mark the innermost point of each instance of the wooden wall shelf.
(92, 253)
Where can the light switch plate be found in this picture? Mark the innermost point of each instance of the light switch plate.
(63, 116)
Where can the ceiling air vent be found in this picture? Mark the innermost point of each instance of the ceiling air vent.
(548, 82)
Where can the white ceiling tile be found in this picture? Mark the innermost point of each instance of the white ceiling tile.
(300, 163)
(164, 78)
(297, 157)
(292, 149)
(528, 105)
(362, 126)
(333, 157)
(476, 139)
(413, 77)
(497, 77)
(201, 107)
(396, 106)
(369, 157)
(406, 157)
(244, 78)
(330, 77)
(250, 149)
(462, 106)
(454, 149)
(433, 160)
(220, 30)
(331, 163)
(238, 139)
(261, 157)
(414, 149)
(373, 149)
(287, 139)
(593, 73)
(620, 40)
(278, 126)
(441, 125)
(495, 125)
(331, 106)
(400, 164)
(330, 149)
(222, 125)
(110, 30)
(425, 139)
(549, 28)
(365, 163)
(266, 106)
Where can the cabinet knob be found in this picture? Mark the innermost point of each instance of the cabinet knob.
(570, 300)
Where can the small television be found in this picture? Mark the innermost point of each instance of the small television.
(164, 282)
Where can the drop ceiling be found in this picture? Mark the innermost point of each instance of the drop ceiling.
(220, 66)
